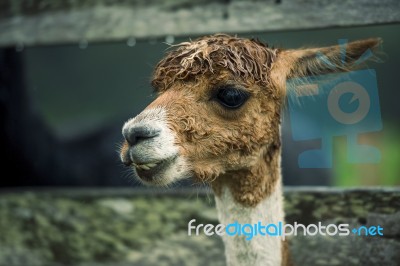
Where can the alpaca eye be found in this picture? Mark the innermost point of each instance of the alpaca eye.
(231, 97)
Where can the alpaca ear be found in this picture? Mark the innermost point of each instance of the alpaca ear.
(319, 61)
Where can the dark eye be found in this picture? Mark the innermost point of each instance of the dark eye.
(231, 97)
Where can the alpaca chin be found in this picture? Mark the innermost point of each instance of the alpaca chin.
(175, 169)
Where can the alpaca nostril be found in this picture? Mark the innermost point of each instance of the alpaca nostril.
(135, 134)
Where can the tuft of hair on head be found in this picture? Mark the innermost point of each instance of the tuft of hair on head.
(245, 58)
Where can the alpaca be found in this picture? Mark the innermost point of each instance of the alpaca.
(216, 118)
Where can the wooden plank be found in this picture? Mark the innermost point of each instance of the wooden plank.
(113, 226)
(203, 191)
(38, 22)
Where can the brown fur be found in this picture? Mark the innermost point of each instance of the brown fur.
(244, 58)
(223, 146)
(239, 148)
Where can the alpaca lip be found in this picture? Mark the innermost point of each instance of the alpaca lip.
(147, 171)
(146, 166)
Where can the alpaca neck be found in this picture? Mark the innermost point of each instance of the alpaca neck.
(260, 250)
(265, 205)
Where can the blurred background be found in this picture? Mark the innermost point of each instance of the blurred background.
(72, 72)
(63, 125)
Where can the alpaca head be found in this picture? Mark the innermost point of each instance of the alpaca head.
(218, 108)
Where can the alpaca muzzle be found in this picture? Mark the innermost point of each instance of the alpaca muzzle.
(150, 148)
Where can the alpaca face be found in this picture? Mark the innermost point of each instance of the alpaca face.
(212, 114)
(218, 109)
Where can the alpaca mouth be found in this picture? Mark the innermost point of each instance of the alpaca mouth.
(151, 171)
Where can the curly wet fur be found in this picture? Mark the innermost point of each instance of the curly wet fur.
(190, 73)
(244, 58)
(235, 149)
(251, 142)
(242, 144)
